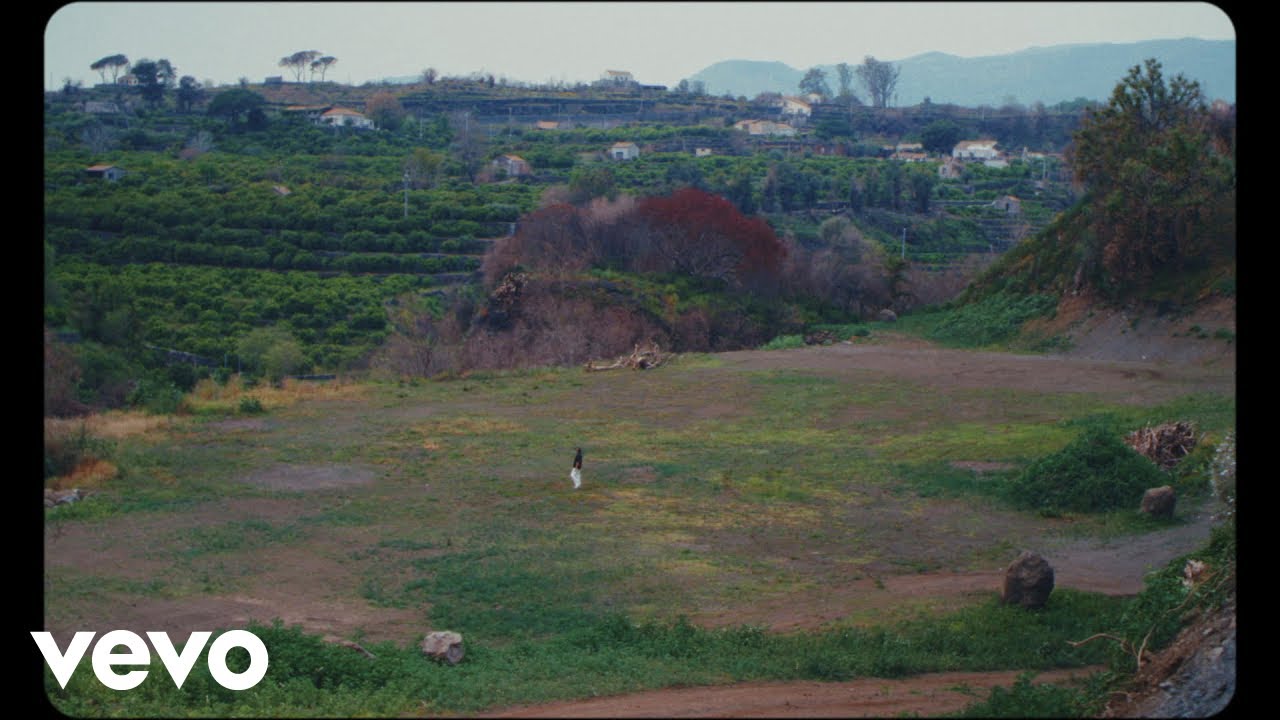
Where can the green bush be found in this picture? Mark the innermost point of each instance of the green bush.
(784, 342)
(1095, 472)
(159, 397)
(251, 406)
(1027, 700)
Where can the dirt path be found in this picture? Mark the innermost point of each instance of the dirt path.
(934, 694)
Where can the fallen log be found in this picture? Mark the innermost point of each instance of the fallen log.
(641, 358)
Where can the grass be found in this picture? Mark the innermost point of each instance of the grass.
(707, 490)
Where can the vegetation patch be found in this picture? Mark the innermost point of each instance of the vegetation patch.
(1095, 472)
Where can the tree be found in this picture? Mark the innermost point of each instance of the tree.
(921, 183)
(299, 62)
(322, 65)
(236, 103)
(468, 142)
(845, 74)
(166, 73)
(113, 64)
(880, 80)
(700, 234)
(1162, 187)
(429, 76)
(815, 82)
(385, 110)
(940, 136)
(148, 74)
(189, 93)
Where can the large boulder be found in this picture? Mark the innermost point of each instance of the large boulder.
(1027, 581)
(887, 315)
(443, 646)
(1159, 502)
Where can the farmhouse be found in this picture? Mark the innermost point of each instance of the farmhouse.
(624, 151)
(345, 117)
(975, 150)
(617, 77)
(795, 106)
(512, 165)
(548, 125)
(106, 172)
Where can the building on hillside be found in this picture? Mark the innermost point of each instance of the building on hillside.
(273, 80)
(1009, 204)
(547, 125)
(310, 112)
(951, 169)
(512, 165)
(703, 152)
(795, 107)
(345, 117)
(764, 127)
(106, 172)
(975, 150)
(617, 77)
(100, 107)
(624, 151)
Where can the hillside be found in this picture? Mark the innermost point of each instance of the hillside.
(1048, 75)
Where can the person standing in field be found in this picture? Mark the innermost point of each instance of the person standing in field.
(576, 473)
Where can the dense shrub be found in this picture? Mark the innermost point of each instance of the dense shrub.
(1093, 473)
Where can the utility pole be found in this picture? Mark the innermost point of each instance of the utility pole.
(904, 243)
(406, 194)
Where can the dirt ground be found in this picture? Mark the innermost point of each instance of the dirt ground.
(924, 695)
(324, 599)
(1111, 354)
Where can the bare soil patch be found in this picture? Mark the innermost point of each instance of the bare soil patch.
(933, 694)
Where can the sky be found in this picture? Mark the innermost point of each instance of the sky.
(660, 43)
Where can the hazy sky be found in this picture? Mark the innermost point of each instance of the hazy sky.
(659, 43)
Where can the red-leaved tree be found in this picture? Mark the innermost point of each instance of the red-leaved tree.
(697, 233)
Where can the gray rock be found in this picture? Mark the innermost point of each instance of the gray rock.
(1027, 581)
(1159, 502)
(887, 315)
(443, 646)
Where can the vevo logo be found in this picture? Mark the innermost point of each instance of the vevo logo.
(179, 666)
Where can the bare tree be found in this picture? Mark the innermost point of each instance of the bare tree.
(880, 79)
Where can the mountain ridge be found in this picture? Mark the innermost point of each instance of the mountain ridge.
(1047, 74)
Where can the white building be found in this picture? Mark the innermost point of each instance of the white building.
(345, 117)
(975, 150)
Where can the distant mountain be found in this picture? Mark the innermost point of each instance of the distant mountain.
(1049, 75)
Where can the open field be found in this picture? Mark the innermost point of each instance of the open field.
(787, 499)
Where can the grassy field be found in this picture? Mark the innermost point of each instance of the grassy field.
(713, 487)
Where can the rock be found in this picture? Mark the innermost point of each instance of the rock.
(1158, 502)
(887, 315)
(1028, 581)
(443, 646)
